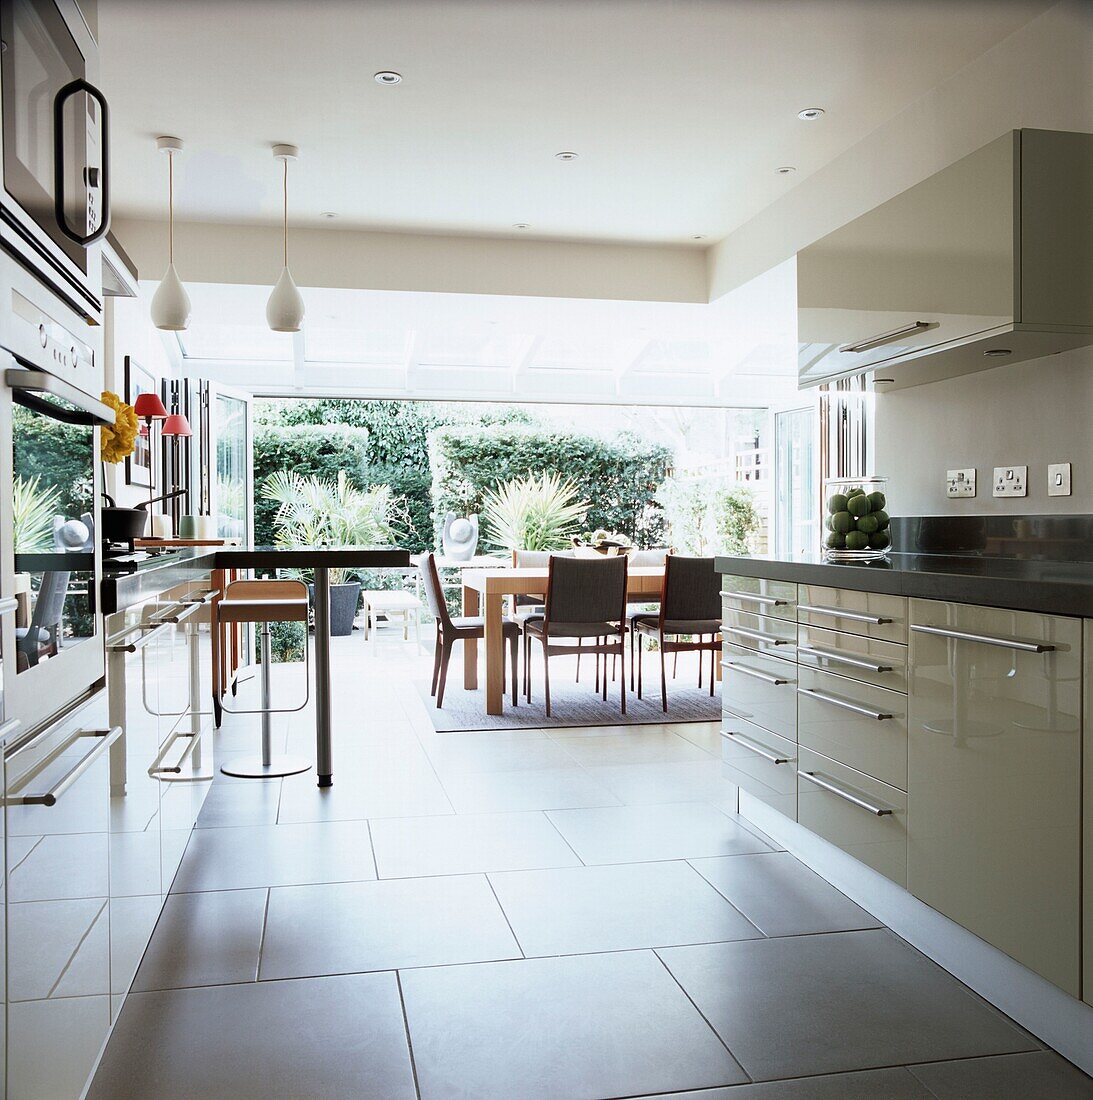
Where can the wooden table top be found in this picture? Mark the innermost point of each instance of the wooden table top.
(530, 579)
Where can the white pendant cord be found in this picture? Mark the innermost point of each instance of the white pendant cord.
(285, 218)
(170, 208)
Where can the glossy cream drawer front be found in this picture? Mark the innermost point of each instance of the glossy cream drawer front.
(873, 614)
(1087, 817)
(878, 839)
(761, 632)
(778, 599)
(866, 659)
(994, 771)
(862, 726)
(761, 763)
(761, 689)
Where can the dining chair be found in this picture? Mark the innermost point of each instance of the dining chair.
(690, 606)
(460, 628)
(585, 601)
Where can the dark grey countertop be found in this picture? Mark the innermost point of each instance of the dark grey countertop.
(1051, 587)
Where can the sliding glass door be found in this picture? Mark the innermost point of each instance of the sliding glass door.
(797, 488)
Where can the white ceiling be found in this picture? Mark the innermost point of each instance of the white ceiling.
(740, 350)
(681, 110)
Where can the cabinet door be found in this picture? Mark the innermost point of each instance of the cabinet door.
(59, 906)
(1087, 816)
(994, 778)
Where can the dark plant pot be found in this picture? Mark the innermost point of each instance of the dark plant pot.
(343, 607)
(122, 524)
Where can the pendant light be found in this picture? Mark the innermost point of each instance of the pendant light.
(285, 308)
(171, 303)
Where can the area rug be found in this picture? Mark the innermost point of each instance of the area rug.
(571, 704)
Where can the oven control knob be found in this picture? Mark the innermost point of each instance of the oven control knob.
(75, 359)
(43, 339)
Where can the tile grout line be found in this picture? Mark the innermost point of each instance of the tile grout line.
(516, 938)
(554, 826)
(406, 1028)
(372, 848)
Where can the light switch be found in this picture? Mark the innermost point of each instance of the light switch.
(1011, 481)
(1058, 479)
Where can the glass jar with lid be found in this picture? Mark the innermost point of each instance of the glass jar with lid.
(856, 522)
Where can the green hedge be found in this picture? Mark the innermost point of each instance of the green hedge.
(619, 476)
(321, 450)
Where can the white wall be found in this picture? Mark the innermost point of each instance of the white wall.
(1026, 414)
(1041, 76)
(128, 330)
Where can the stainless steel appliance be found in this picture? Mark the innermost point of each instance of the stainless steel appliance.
(49, 491)
(54, 157)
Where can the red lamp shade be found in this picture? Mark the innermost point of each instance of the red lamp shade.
(149, 407)
(143, 430)
(176, 424)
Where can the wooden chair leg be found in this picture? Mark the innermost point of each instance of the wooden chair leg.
(700, 664)
(445, 657)
(546, 675)
(436, 666)
(633, 637)
(640, 640)
(527, 666)
(514, 655)
(675, 665)
(603, 642)
(664, 677)
(578, 660)
(596, 646)
(622, 678)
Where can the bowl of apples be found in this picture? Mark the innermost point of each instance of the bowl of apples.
(856, 522)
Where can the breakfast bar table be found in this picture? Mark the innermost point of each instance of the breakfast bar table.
(489, 587)
(320, 560)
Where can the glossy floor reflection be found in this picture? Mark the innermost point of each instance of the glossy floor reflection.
(527, 915)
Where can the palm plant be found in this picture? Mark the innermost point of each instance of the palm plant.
(533, 513)
(34, 509)
(314, 511)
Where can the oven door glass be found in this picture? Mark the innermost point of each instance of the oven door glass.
(40, 57)
(54, 552)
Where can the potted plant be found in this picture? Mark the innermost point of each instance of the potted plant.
(315, 511)
(533, 513)
(117, 442)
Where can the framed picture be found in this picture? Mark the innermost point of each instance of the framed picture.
(139, 468)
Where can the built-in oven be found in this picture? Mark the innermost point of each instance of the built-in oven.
(55, 198)
(52, 647)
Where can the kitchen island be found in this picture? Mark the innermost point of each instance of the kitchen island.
(913, 729)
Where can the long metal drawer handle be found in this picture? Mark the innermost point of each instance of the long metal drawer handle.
(838, 658)
(151, 632)
(835, 701)
(756, 635)
(763, 601)
(158, 768)
(103, 740)
(765, 677)
(887, 337)
(986, 639)
(834, 788)
(839, 613)
(744, 743)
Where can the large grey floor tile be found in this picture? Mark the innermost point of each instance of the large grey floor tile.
(276, 855)
(339, 1038)
(208, 938)
(410, 847)
(1008, 1077)
(407, 793)
(851, 1000)
(229, 804)
(870, 1084)
(349, 927)
(580, 1027)
(615, 908)
(537, 789)
(782, 896)
(631, 834)
(631, 746)
(455, 755)
(665, 781)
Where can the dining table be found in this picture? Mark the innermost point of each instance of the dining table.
(228, 561)
(484, 593)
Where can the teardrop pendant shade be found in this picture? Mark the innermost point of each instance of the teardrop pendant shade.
(171, 304)
(285, 308)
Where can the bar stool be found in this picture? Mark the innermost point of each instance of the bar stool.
(265, 602)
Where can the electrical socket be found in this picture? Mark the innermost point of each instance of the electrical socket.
(1011, 481)
(960, 483)
(1058, 479)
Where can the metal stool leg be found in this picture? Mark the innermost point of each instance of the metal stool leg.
(268, 766)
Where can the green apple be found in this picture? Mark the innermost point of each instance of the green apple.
(857, 540)
(836, 503)
(841, 522)
(880, 541)
(877, 501)
(858, 506)
(882, 520)
(868, 524)
(835, 541)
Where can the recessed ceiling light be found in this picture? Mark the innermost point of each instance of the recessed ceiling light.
(520, 225)
(810, 114)
(329, 214)
(699, 237)
(786, 170)
(387, 76)
(997, 353)
(566, 154)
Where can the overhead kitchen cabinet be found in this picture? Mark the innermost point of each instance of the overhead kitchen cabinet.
(989, 261)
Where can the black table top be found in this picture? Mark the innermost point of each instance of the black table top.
(1051, 587)
(262, 557)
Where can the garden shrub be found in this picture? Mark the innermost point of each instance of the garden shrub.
(620, 476)
(713, 515)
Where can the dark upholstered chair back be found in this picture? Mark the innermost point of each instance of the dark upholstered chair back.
(434, 593)
(586, 590)
(692, 589)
